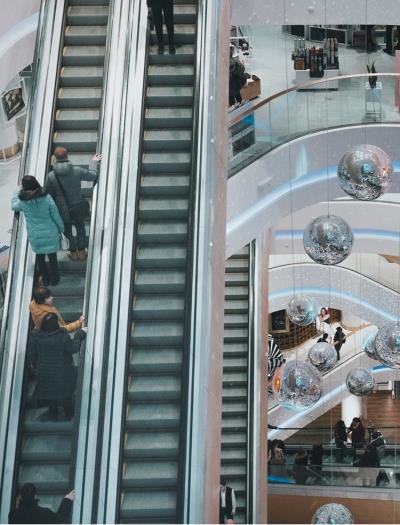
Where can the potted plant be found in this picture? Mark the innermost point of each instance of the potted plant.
(372, 79)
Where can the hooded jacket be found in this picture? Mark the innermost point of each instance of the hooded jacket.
(30, 512)
(69, 176)
(39, 312)
(43, 222)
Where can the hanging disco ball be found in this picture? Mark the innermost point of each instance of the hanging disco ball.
(328, 239)
(302, 310)
(322, 356)
(297, 385)
(365, 172)
(360, 382)
(332, 513)
(387, 345)
(369, 345)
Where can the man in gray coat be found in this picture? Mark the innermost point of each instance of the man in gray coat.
(63, 183)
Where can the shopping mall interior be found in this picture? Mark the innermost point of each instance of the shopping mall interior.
(232, 306)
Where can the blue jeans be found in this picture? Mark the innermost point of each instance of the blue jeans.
(80, 242)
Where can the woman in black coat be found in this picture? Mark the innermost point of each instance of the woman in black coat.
(51, 353)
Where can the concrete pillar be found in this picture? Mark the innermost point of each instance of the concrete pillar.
(352, 406)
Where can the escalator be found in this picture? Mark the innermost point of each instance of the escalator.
(234, 440)
(152, 462)
(45, 454)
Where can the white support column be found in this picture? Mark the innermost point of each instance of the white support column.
(352, 406)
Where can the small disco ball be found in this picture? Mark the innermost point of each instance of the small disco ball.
(297, 385)
(387, 345)
(365, 172)
(360, 382)
(302, 310)
(322, 356)
(332, 513)
(369, 345)
(328, 239)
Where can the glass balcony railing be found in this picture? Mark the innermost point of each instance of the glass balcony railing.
(260, 126)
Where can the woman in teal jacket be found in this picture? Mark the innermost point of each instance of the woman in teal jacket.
(44, 226)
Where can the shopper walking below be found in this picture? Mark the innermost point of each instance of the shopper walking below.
(339, 340)
(166, 8)
(227, 502)
(44, 226)
(63, 183)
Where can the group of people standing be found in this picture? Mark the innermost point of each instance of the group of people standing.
(372, 447)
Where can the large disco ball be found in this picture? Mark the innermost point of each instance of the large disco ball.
(322, 356)
(387, 345)
(302, 310)
(297, 385)
(360, 382)
(328, 239)
(369, 345)
(332, 513)
(365, 172)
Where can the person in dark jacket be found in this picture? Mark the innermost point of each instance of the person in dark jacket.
(323, 338)
(316, 457)
(166, 8)
(382, 479)
(227, 502)
(340, 439)
(339, 340)
(44, 226)
(29, 511)
(51, 352)
(237, 78)
(300, 472)
(357, 432)
(63, 183)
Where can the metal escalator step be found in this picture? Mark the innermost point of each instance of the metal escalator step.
(236, 320)
(85, 35)
(165, 281)
(237, 265)
(234, 393)
(88, 2)
(152, 416)
(184, 34)
(166, 162)
(32, 426)
(152, 232)
(236, 279)
(235, 349)
(83, 56)
(236, 378)
(153, 474)
(167, 140)
(154, 505)
(156, 444)
(172, 75)
(235, 363)
(71, 284)
(233, 455)
(234, 306)
(185, 54)
(157, 333)
(169, 96)
(71, 97)
(161, 257)
(185, 14)
(233, 424)
(46, 476)
(235, 334)
(233, 471)
(243, 253)
(165, 184)
(51, 447)
(159, 118)
(160, 208)
(154, 388)
(158, 307)
(235, 408)
(93, 15)
(162, 359)
(75, 76)
(230, 439)
(76, 140)
(76, 119)
(234, 292)
(81, 158)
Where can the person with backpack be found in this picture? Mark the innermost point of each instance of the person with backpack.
(339, 340)
(63, 183)
(237, 78)
(44, 226)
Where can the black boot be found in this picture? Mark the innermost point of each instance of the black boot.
(171, 46)
(160, 49)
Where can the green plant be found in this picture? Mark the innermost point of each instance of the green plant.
(372, 79)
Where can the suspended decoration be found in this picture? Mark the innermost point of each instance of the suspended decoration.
(302, 310)
(365, 172)
(332, 513)
(387, 345)
(297, 385)
(369, 345)
(275, 357)
(328, 239)
(360, 382)
(322, 356)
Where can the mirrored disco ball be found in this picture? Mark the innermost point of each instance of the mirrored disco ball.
(328, 239)
(302, 310)
(387, 345)
(360, 382)
(369, 345)
(297, 385)
(365, 172)
(322, 356)
(332, 513)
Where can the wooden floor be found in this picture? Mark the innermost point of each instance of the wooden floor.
(381, 408)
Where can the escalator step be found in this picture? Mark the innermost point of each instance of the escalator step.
(236, 320)
(169, 118)
(161, 256)
(83, 56)
(157, 416)
(56, 447)
(154, 388)
(46, 477)
(71, 97)
(160, 444)
(93, 15)
(159, 208)
(166, 162)
(76, 140)
(149, 474)
(167, 140)
(184, 34)
(185, 54)
(163, 184)
(158, 307)
(181, 75)
(157, 333)
(88, 76)
(88, 2)
(169, 96)
(161, 359)
(165, 281)
(154, 505)
(77, 119)
(173, 231)
(85, 36)
(185, 13)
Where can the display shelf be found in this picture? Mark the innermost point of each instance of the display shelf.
(303, 77)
